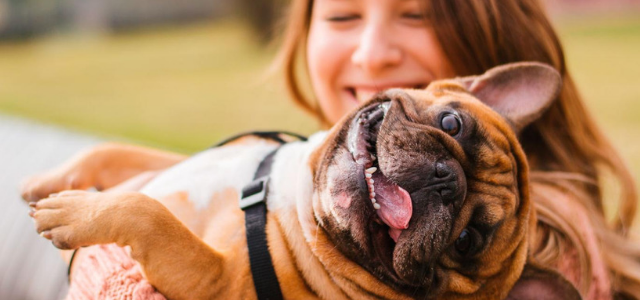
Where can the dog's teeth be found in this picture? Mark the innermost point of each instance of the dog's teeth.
(376, 206)
(368, 175)
(372, 194)
(373, 157)
(371, 181)
(371, 170)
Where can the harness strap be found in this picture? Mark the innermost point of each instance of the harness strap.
(254, 204)
(271, 135)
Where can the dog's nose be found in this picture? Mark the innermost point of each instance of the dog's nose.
(442, 170)
(452, 182)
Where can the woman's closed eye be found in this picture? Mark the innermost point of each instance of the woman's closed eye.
(342, 18)
(414, 18)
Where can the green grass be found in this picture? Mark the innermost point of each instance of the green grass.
(184, 88)
(179, 88)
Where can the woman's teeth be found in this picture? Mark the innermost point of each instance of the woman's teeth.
(368, 174)
(365, 95)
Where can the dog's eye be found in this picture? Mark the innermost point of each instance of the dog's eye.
(450, 124)
(463, 243)
(468, 242)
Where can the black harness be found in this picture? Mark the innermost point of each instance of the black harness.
(254, 204)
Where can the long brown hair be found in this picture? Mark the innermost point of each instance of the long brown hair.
(565, 148)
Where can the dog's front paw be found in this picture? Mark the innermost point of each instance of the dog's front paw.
(73, 219)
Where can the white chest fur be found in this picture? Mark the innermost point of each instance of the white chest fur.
(234, 167)
(207, 172)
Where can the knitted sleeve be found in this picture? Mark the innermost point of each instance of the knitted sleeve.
(108, 272)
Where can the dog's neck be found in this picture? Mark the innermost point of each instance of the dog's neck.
(293, 179)
(290, 201)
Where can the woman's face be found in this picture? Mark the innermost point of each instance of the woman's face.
(356, 48)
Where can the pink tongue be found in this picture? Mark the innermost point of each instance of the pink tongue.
(395, 204)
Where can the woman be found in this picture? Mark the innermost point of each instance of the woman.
(355, 48)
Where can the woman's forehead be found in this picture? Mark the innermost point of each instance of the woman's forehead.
(366, 1)
(390, 6)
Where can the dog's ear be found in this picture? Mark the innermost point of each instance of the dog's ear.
(520, 92)
(540, 283)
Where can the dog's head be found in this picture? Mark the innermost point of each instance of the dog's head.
(427, 189)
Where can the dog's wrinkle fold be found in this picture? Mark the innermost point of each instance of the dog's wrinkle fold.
(450, 145)
(405, 104)
(420, 251)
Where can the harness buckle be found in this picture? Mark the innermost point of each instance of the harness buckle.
(254, 192)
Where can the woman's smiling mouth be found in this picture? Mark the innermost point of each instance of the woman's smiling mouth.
(361, 94)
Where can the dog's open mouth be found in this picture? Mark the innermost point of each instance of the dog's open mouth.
(392, 203)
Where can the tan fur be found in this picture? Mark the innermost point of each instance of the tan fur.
(190, 249)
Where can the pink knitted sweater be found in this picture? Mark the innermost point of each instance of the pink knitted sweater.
(108, 272)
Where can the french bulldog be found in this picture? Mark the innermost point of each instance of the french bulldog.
(418, 194)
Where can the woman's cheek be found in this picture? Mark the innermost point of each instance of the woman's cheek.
(325, 52)
(327, 57)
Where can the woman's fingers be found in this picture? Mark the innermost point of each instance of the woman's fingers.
(41, 186)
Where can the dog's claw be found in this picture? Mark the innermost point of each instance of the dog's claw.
(46, 234)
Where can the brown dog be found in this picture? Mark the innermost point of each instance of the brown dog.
(418, 194)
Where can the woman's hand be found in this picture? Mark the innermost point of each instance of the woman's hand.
(101, 167)
(78, 173)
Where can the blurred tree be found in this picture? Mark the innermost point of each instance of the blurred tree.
(26, 18)
(23, 19)
(263, 16)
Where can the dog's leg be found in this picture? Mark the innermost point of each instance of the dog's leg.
(101, 167)
(173, 259)
(131, 185)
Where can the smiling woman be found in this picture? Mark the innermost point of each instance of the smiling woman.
(358, 48)
(353, 48)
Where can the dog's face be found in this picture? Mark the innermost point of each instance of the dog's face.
(427, 189)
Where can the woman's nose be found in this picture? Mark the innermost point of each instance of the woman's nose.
(376, 50)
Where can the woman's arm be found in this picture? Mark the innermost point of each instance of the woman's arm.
(101, 167)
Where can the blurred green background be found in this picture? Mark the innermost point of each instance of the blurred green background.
(178, 87)
(184, 85)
